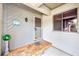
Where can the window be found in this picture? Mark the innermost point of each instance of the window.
(66, 21)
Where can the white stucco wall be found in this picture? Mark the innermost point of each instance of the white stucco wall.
(0, 25)
(66, 41)
(25, 32)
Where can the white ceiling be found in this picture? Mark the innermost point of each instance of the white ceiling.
(53, 5)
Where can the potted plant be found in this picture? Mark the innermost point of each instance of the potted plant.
(6, 38)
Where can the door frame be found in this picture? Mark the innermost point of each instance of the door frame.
(40, 27)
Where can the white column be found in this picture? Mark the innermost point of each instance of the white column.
(6, 48)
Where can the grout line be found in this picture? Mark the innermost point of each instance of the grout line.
(62, 51)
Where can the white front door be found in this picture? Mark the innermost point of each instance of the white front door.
(37, 28)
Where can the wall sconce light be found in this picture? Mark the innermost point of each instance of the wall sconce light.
(26, 20)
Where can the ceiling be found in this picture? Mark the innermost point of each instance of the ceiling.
(53, 5)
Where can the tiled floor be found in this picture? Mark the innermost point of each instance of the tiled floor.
(54, 52)
(34, 49)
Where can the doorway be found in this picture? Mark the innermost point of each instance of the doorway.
(37, 28)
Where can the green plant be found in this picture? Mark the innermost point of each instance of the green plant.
(6, 37)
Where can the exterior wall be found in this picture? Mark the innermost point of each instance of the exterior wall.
(25, 32)
(0, 25)
(66, 41)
